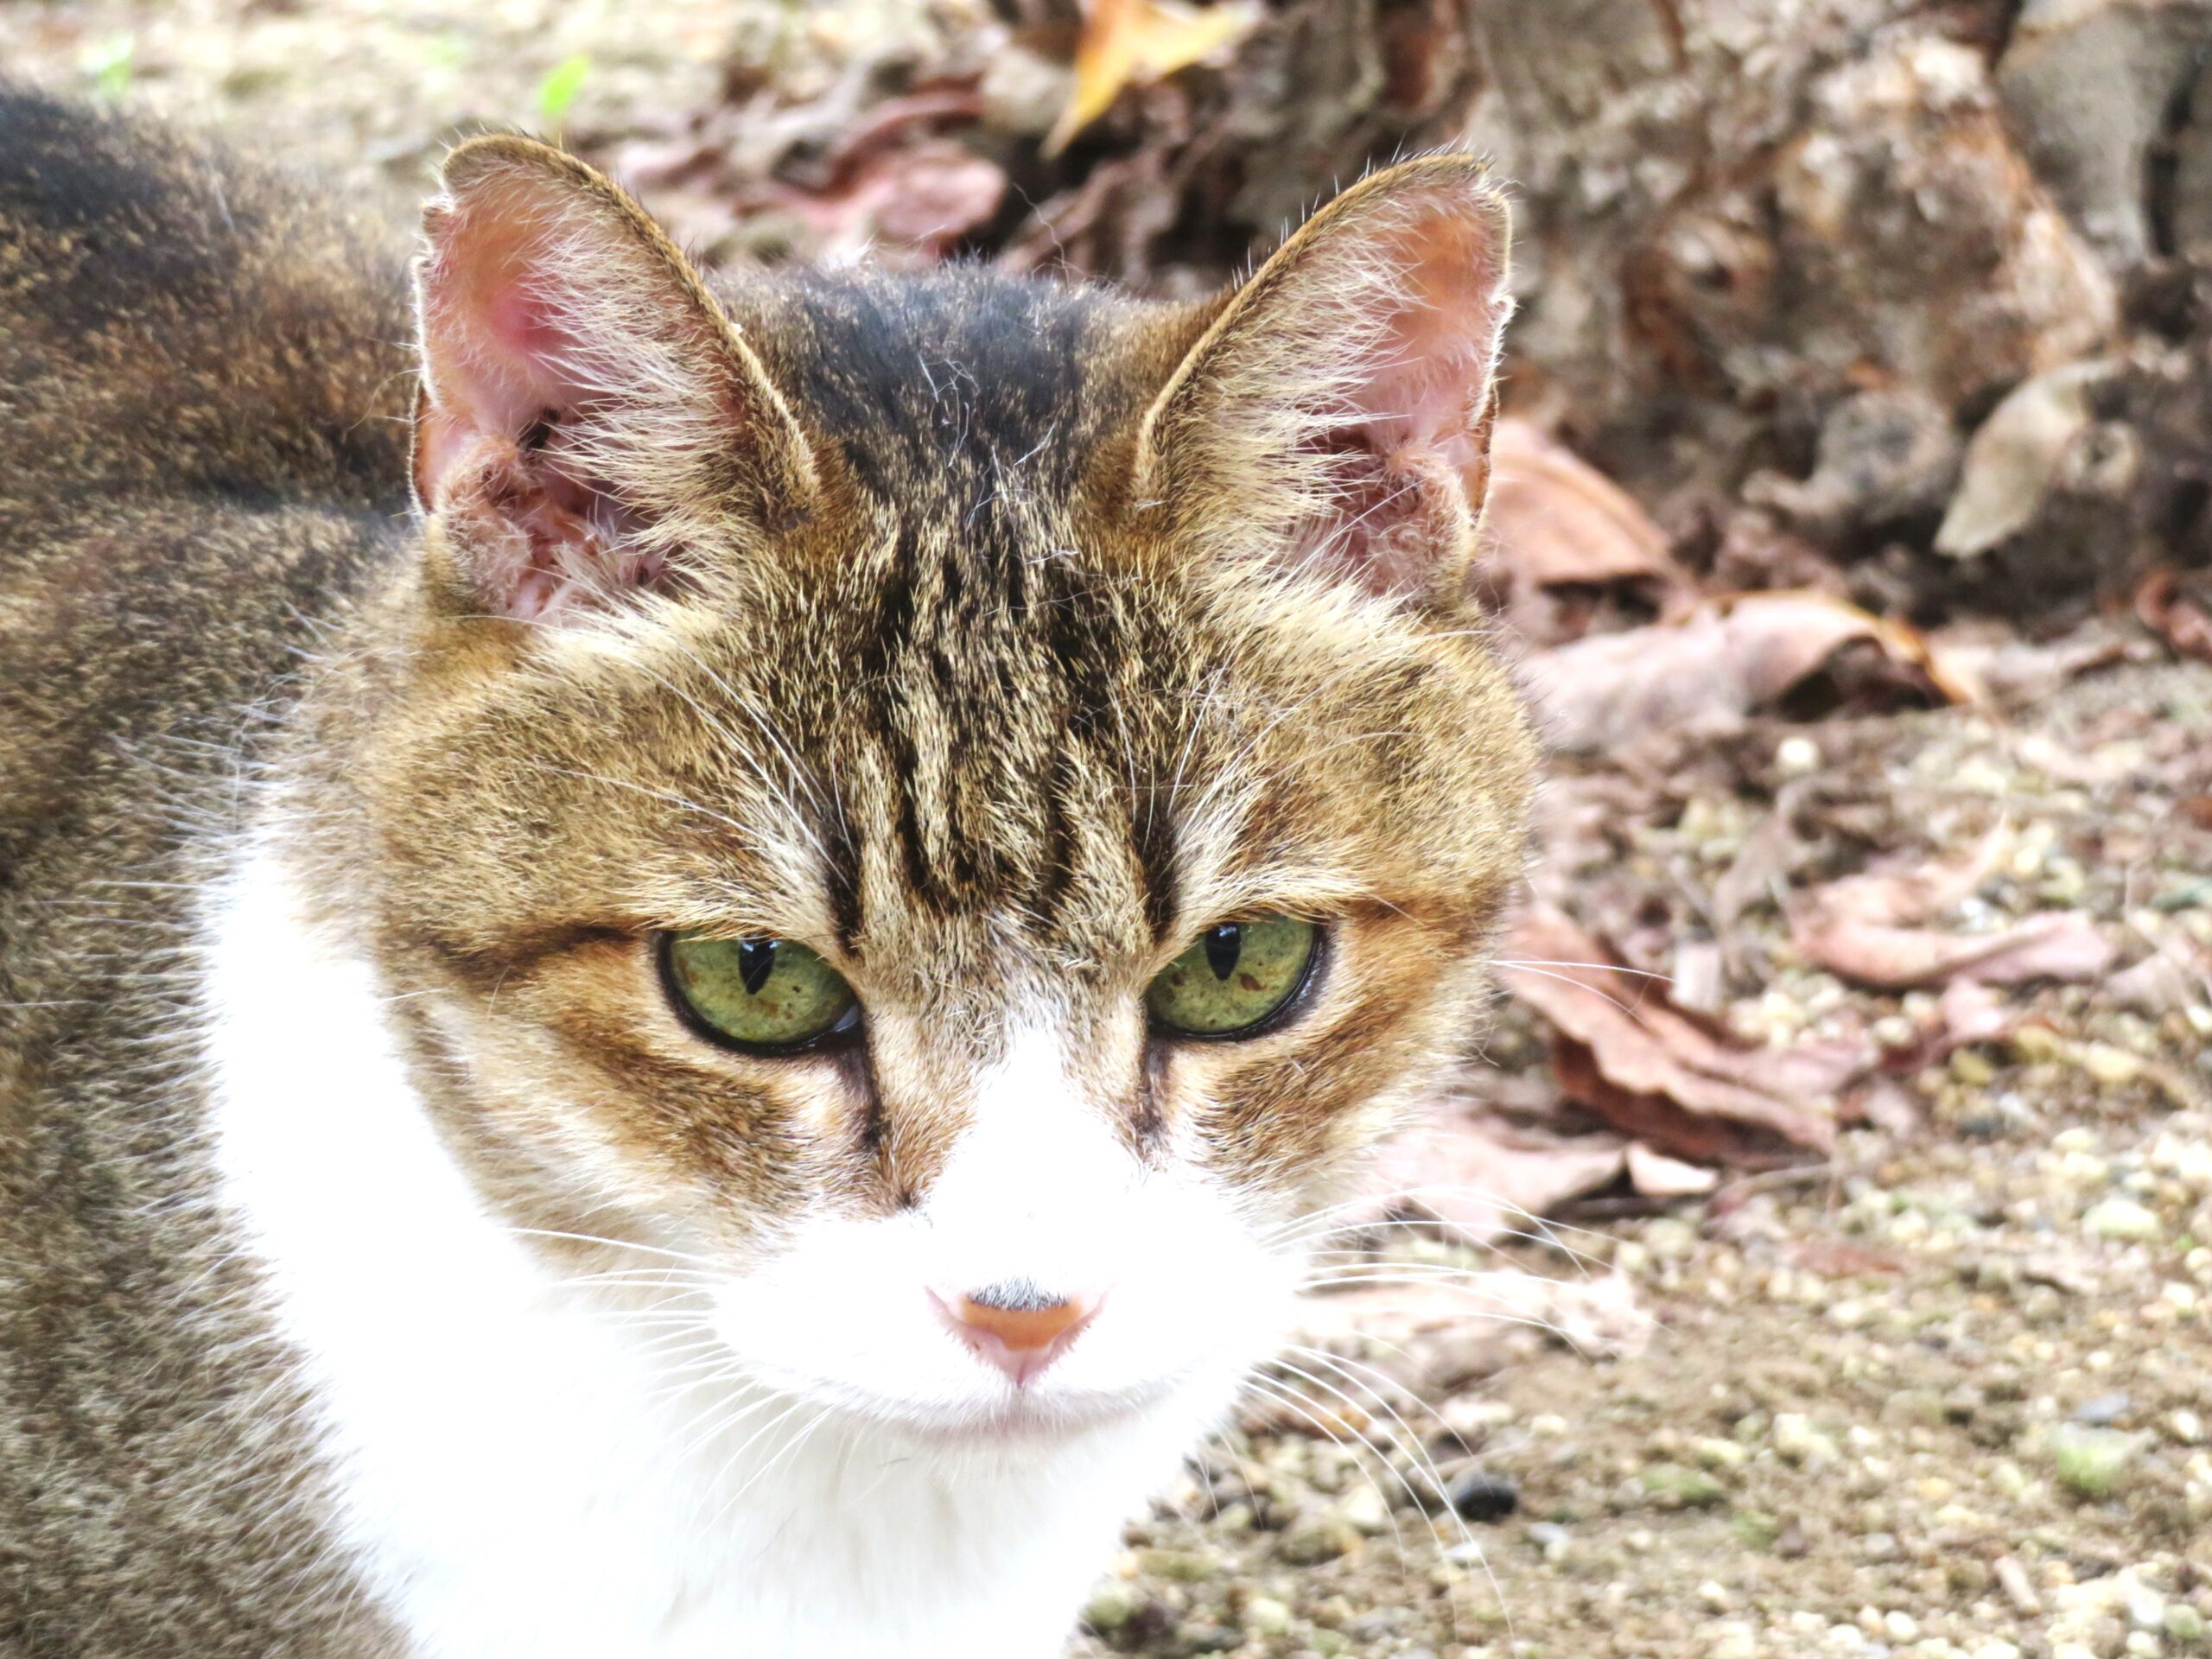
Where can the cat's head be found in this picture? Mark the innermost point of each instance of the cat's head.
(959, 806)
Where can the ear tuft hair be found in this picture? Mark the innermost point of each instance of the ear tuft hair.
(1337, 415)
(588, 414)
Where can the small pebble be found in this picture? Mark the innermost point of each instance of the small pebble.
(1717, 1454)
(1364, 1510)
(1112, 1605)
(1265, 1615)
(1673, 1487)
(2123, 1220)
(1795, 1440)
(1796, 755)
(1205, 1638)
(2013, 1579)
(1317, 1539)
(1178, 1566)
(1480, 1494)
(2093, 1462)
(2103, 1411)
(2145, 1607)
(1550, 1537)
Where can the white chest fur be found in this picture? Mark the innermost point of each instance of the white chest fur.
(523, 1474)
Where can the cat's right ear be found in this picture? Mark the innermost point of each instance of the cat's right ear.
(588, 414)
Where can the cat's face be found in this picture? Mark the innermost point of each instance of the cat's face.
(958, 822)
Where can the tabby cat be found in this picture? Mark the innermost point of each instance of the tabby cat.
(682, 972)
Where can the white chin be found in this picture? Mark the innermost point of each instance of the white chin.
(1029, 1416)
(1034, 1417)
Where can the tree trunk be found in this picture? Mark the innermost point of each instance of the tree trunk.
(1905, 296)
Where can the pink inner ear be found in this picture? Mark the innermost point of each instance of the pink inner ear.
(502, 441)
(495, 354)
(1433, 369)
(1414, 449)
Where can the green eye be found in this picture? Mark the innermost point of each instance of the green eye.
(1235, 977)
(763, 994)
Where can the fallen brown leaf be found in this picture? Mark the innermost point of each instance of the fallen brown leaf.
(1971, 1013)
(1864, 928)
(1843, 1258)
(918, 201)
(1656, 1175)
(1436, 1337)
(1481, 1178)
(1704, 673)
(1133, 41)
(2178, 610)
(2060, 944)
(1554, 521)
(1902, 892)
(2175, 975)
(2013, 456)
(2015, 672)
(1628, 1054)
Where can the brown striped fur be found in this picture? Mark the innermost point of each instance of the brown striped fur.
(969, 665)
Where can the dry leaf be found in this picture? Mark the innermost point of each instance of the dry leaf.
(1433, 1337)
(2016, 672)
(1704, 673)
(1126, 41)
(1863, 929)
(2177, 610)
(2012, 457)
(2175, 975)
(1900, 893)
(1842, 1258)
(1972, 1012)
(919, 201)
(1656, 1175)
(1554, 521)
(1629, 1055)
(2061, 945)
(1481, 1178)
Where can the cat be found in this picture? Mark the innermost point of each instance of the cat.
(686, 970)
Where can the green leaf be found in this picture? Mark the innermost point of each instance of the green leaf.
(559, 88)
(107, 64)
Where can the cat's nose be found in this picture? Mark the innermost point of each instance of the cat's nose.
(1016, 1326)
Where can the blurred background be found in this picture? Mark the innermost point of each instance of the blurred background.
(1813, 1256)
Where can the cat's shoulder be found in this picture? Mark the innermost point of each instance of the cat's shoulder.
(178, 320)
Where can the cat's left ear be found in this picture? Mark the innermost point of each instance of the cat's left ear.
(1336, 414)
(588, 414)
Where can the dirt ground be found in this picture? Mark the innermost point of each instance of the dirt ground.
(1949, 1392)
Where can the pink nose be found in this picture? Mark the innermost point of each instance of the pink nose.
(1017, 1327)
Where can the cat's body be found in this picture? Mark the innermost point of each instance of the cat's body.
(384, 1267)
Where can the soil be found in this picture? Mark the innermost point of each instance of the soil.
(1949, 1392)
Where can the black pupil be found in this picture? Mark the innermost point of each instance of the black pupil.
(756, 960)
(1223, 945)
